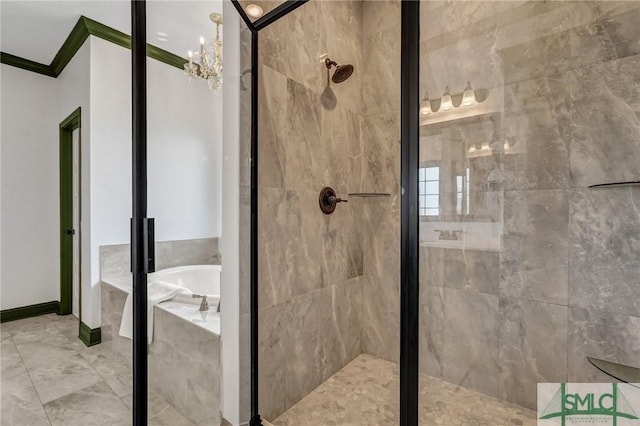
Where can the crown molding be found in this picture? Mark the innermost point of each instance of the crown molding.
(76, 38)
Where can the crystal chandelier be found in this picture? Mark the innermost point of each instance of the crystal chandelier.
(207, 64)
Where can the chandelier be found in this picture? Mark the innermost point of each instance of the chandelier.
(207, 63)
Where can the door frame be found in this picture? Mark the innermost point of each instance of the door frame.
(67, 126)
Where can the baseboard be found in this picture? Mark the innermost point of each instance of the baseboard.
(89, 336)
(29, 311)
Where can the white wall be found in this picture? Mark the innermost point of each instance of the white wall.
(184, 166)
(184, 151)
(30, 216)
(32, 108)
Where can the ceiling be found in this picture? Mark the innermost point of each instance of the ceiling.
(35, 30)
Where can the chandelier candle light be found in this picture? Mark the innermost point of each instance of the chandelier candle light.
(207, 64)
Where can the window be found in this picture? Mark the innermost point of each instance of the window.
(429, 191)
(462, 193)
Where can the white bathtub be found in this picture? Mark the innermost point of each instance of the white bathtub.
(200, 279)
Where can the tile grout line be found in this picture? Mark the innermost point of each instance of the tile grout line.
(31, 381)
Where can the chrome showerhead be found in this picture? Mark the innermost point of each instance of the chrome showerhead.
(341, 73)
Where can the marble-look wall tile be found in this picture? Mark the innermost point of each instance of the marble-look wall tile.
(601, 335)
(304, 251)
(605, 122)
(381, 74)
(341, 148)
(310, 264)
(112, 301)
(431, 331)
(293, 46)
(381, 153)
(605, 250)
(276, 214)
(305, 341)
(462, 269)
(115, 260)
(470, 345)
(201, 251)
(272, 114)
(537, 128)
(379, 16)
(274, 346)
(537, 57)
(307, 359)
(341, 22)
(306, 160)
(534, 260)
(533, 339)
(612, 35)
(184, 367)
(381, 295)
(347, 318)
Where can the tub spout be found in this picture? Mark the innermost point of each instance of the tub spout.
(204, 305)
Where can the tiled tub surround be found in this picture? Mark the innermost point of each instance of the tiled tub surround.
(115, 260)
(184, 358)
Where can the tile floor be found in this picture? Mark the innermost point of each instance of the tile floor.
(49, 377)
(365, 392)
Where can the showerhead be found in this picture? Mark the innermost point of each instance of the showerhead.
(342, 72)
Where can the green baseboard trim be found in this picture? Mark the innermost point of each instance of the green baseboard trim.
(78, 35)
(13, 314)
(89, 336)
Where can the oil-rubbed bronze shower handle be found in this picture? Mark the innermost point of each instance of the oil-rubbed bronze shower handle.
(328, 200)
(335, 200)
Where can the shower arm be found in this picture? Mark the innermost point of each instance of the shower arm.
(329, 63)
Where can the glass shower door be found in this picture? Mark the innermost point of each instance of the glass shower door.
(526, 270)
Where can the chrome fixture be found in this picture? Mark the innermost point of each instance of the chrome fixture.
(328, 200)
(342, 72)
(204, 305)
(207, 63)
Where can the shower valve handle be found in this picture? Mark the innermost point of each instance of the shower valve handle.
(335, 200)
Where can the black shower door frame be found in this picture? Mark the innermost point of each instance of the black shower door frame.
(142, 227)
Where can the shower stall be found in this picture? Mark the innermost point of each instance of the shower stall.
(437, 207)
(525, 268)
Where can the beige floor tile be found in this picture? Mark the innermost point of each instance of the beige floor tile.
(365, 392)
(61, 377)
(20, 403)
(95, 405)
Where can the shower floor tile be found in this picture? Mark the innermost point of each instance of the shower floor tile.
(365, 392)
